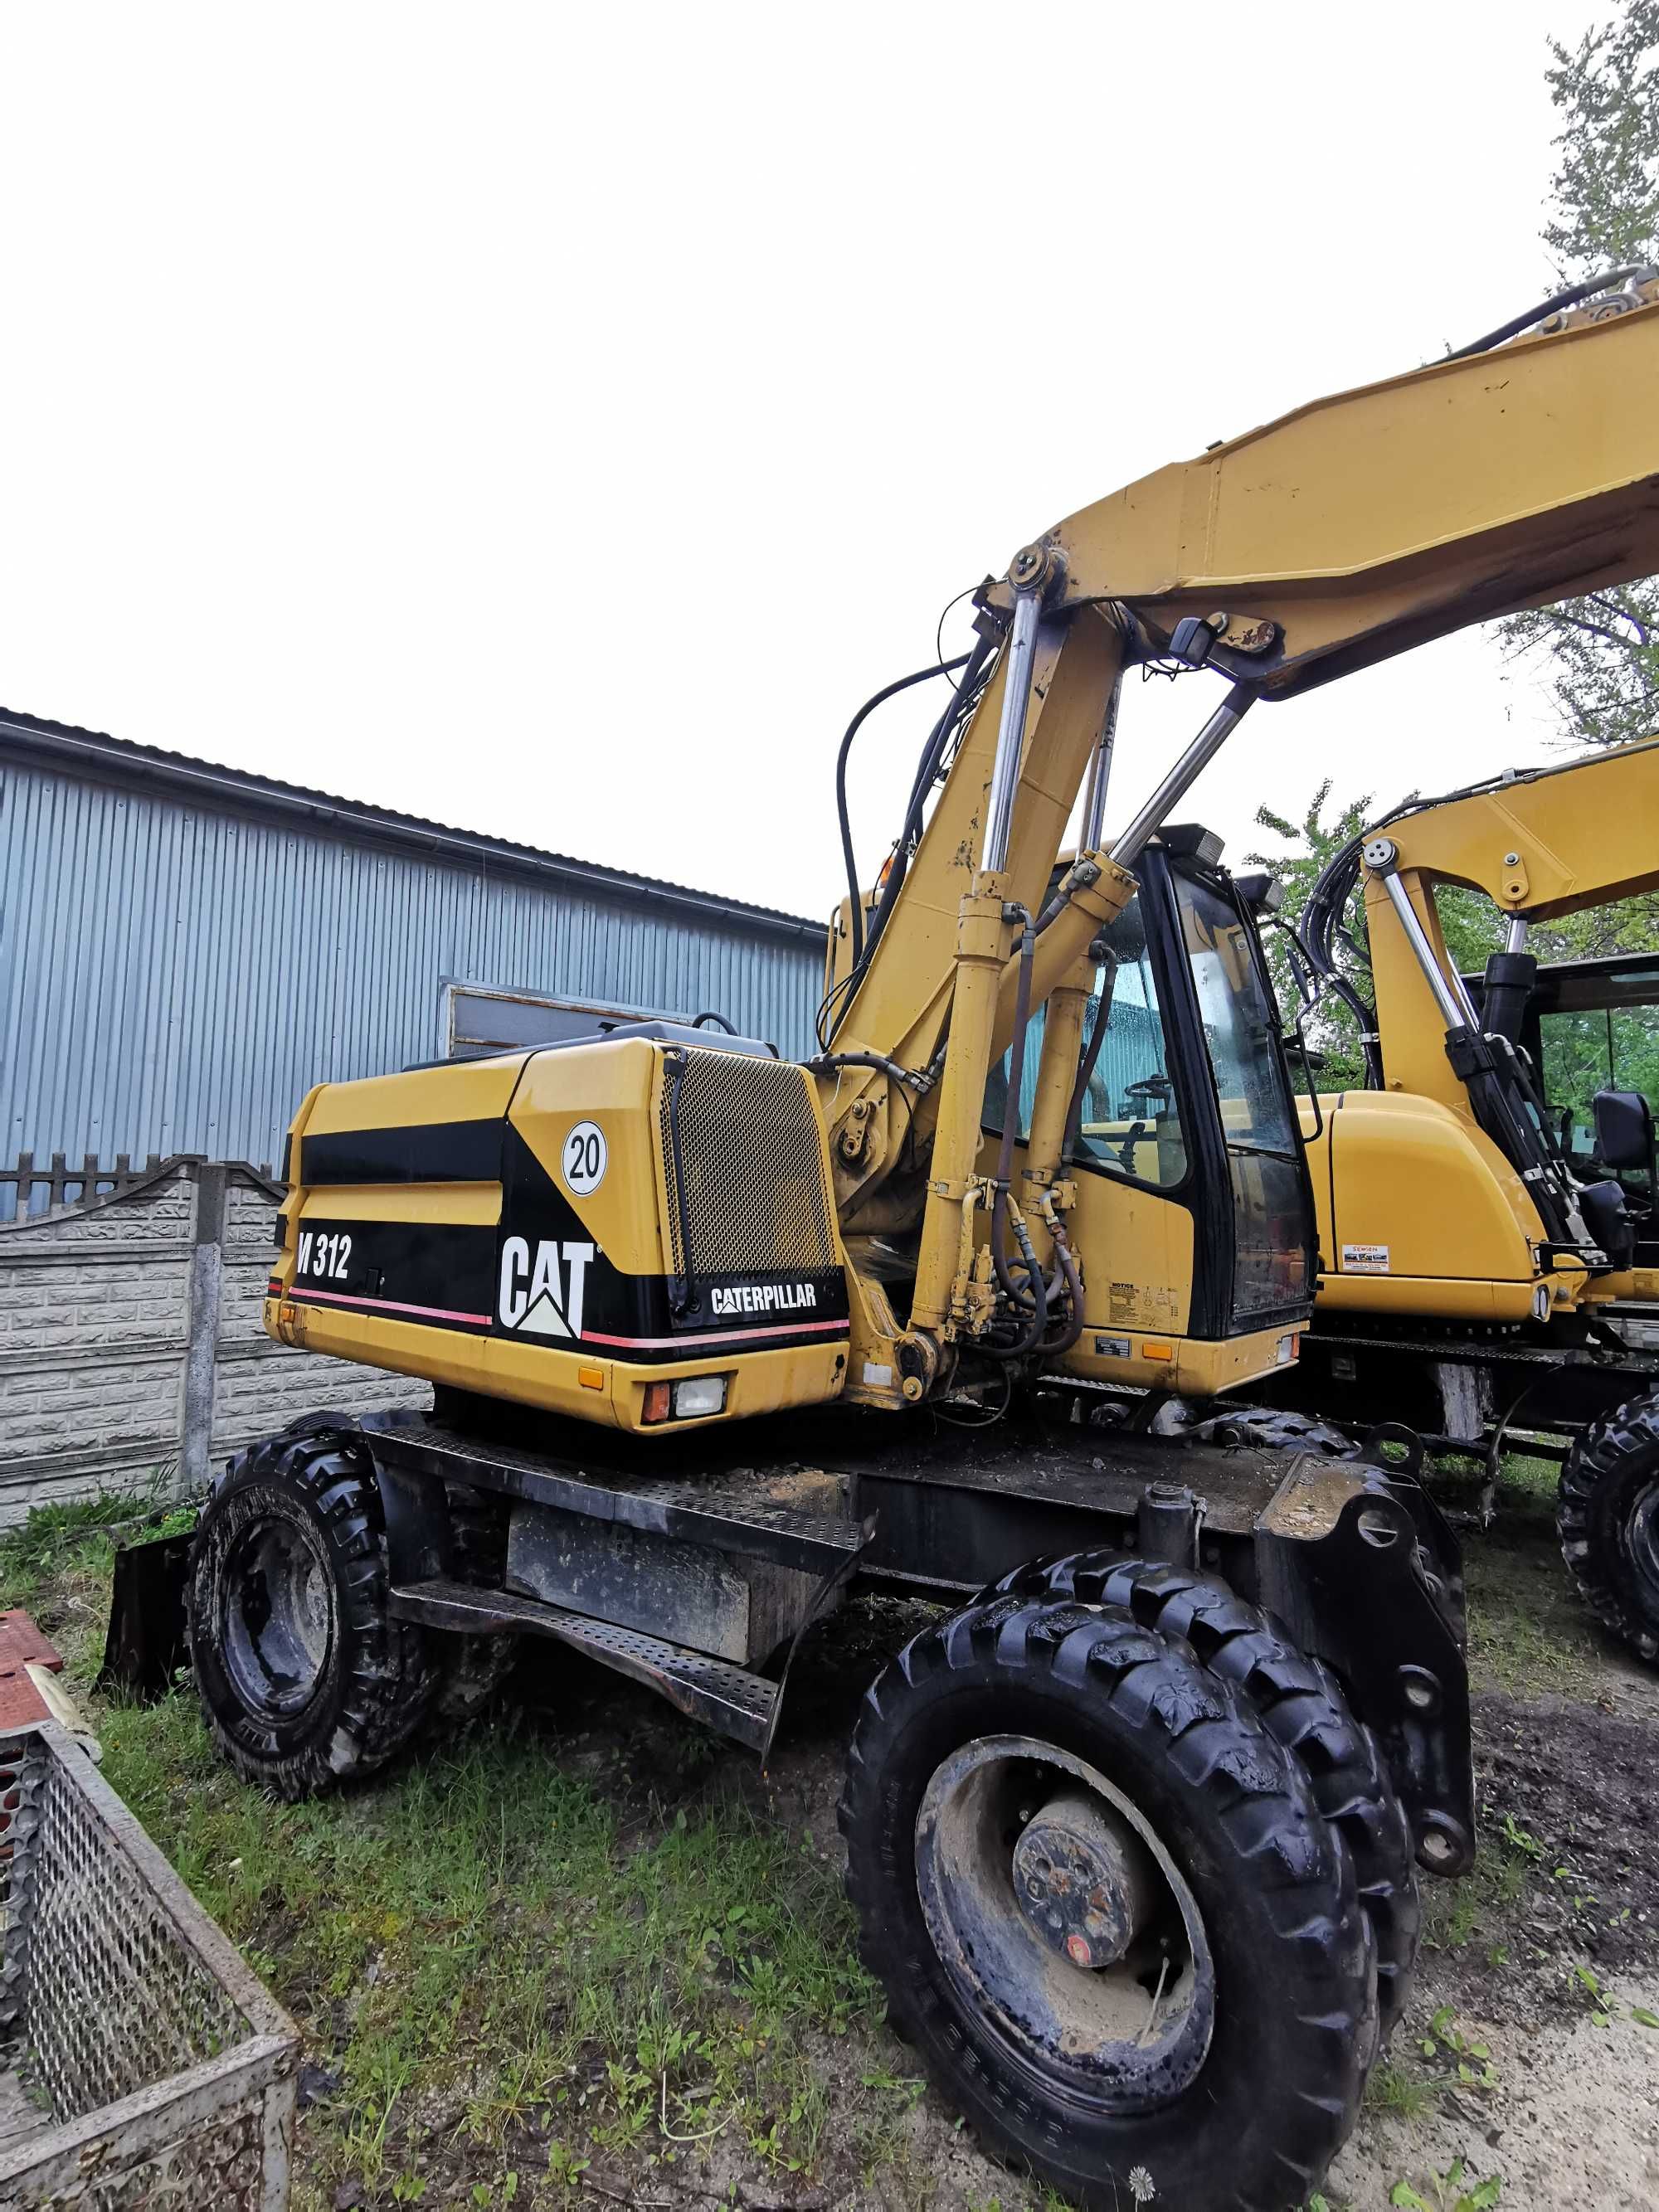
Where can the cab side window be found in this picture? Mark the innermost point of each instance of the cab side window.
(1130, 1123)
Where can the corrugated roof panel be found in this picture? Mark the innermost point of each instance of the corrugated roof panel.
(174, 976)
(80, 753)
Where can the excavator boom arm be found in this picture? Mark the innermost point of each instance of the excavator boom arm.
(1377, 520)
(1348, 531)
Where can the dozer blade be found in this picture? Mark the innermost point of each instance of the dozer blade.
(146, 1645)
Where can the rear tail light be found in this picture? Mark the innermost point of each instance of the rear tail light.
(695, 1397)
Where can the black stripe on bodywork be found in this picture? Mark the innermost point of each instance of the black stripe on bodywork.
(426, 1151)
(442, 1266)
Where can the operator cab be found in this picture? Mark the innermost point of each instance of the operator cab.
(1187, 1132)
(1591, 1030)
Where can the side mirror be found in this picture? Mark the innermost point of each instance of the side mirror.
(1624, 1129)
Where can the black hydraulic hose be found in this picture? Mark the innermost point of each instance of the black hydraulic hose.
(854, 888)
(1036, 1298)
(1301, 968)
(1090, 1060)
(1570, 298)
(963, 698)
(826, 1063)
(1038, 1327)
(1069, 1267)
(1321, 918)
(1003, 1177)
(731, 1027)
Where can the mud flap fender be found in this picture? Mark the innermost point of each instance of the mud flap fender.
(1362, 1566)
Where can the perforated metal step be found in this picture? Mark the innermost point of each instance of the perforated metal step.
(728, 1514)
(725, 1698)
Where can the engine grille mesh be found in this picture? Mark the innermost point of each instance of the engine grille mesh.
(755, 1190)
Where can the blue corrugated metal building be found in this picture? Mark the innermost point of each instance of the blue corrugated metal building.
(185, 949)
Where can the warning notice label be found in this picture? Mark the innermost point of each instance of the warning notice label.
(1366, 1258)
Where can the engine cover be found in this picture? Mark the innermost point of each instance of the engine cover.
(566, 1227)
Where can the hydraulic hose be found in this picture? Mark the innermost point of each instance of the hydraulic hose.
(1091, 1060)
(1038, 1328)
(1035, 1300)
(854, 888)
(1003, 1177)
(962, 700)
(826, 1063)
(1553, 306)
(1069, 1267)
(1320, 919)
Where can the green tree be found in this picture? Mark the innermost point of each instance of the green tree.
(1332, 1033)
(1602, 651)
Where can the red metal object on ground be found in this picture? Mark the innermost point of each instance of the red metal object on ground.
(23, 1646)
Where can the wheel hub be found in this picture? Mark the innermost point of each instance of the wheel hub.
(278, 1627)
(1080, 1880)
(1068, 1929)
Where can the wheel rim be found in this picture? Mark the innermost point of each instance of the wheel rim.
(1063, 1924)
(278, 1630)
(1642, 1547)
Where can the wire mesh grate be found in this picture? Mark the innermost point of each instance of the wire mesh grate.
(751, 1168)
(149, 2067)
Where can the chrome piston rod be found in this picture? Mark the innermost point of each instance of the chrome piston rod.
(1100, 770)
(1197, 757)
(1011, 731)
(1455, 1010)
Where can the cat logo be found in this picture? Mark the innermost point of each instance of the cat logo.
(540, 1297)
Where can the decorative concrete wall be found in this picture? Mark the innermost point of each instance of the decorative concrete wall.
(131, 1339)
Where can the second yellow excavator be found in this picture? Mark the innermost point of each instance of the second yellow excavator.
(1489, 1249)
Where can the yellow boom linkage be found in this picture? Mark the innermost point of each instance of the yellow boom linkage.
(1346, 532)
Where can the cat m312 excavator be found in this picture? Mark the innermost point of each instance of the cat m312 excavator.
(1490, 1256)
(1132, 1828)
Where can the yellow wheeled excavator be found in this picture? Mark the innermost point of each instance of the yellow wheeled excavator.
(1131, 1828)
(1490, 1251)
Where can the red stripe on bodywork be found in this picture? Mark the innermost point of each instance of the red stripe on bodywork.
(392, 1305)
(718, 1336)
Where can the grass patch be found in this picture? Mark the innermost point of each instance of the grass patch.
(1400, 2091)
(1529, 1633)
(508, 1961)
(57, 1564)
(487, 1947)
(1489, 1904)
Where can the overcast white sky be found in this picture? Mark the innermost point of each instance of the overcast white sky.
(557, 421)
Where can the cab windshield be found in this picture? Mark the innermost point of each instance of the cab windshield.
(1262, 1145)
(1135, 1122)
(1137, 1106)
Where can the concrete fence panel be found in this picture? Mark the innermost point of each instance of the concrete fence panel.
(132, 1343)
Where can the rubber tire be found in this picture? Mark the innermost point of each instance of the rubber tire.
(1304, 1709)
(378, 1679)
(1605, 1471)
(1279, 2089)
